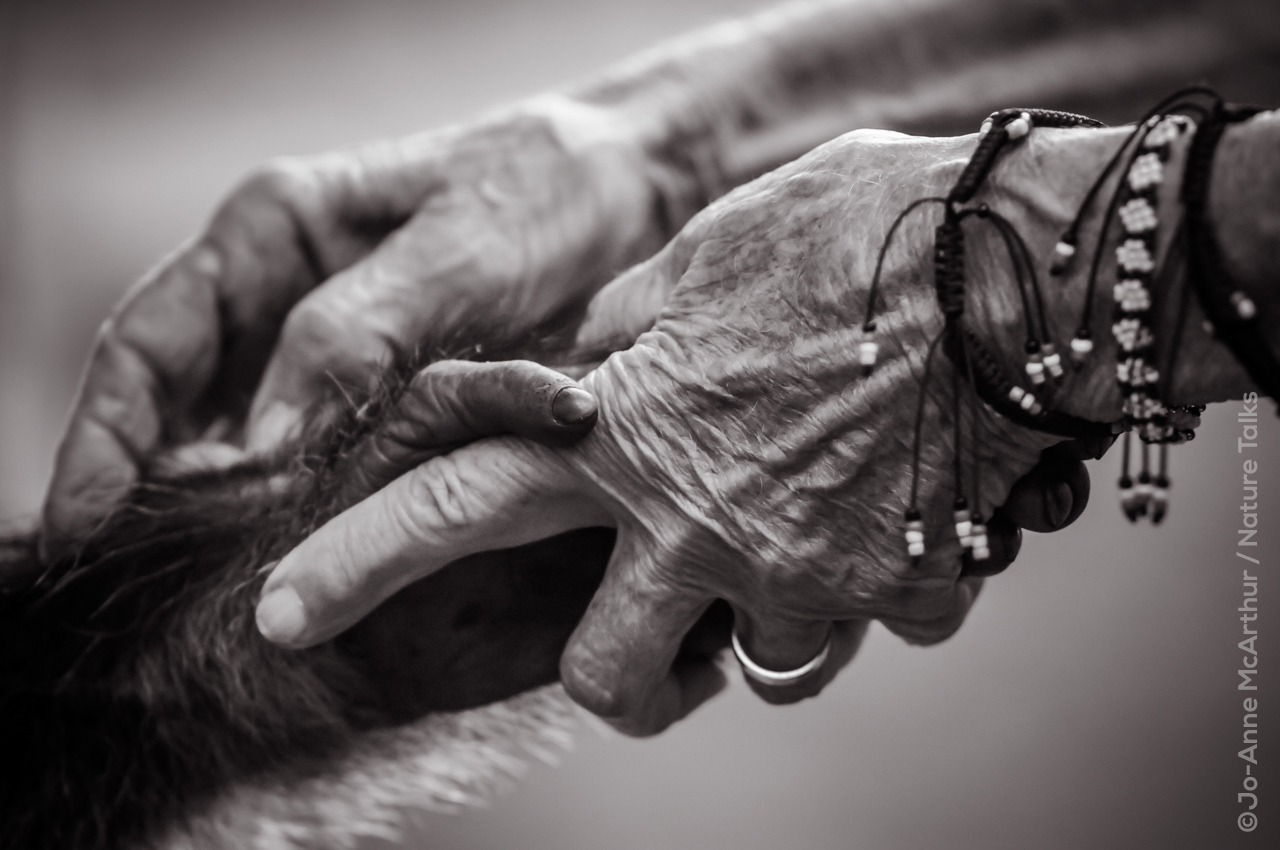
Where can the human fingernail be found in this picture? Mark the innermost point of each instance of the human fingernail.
(280, 615)
(1058, 500)
(573, 406)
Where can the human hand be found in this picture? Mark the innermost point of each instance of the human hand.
(314, 270)
(739, 453)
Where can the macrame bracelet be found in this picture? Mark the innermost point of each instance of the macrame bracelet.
(1144, 154)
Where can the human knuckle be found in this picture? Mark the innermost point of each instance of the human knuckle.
(283, 179)
(316, 331)
(439, 499)
(600, 698)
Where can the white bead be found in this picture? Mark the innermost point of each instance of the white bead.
(915, 550)
(1081, 346)
(964, 529)
(1035, 370)
(1147, 170)
(867, 352)
(981, 550)
(1138, 216)
(1027, 401)
(1245, 308)
(1065, 250)
(1133, 256)
(1016, 394)
(1019, 127)
(1053, 362)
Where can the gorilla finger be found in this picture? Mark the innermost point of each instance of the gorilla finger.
(453, 402)
(629, 304)
(1052, 495)
(928, 631)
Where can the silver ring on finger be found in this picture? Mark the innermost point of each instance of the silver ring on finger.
(778, 678)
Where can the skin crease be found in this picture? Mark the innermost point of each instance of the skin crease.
(735, 452)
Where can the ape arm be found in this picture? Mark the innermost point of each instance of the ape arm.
(733, 101)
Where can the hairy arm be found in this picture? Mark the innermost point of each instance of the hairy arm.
(744, 97)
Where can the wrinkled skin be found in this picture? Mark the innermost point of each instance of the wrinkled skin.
(738, 451)
(314, 270)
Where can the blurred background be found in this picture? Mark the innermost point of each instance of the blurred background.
(1090, 701)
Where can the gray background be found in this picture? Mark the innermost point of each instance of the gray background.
(1090, 700)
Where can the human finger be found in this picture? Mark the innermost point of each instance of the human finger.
(780, 644)
(621, 662)
(452, 402)
(493, 494)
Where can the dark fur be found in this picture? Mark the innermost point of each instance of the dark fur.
(134, 686)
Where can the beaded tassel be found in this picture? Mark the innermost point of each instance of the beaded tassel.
(914, 534)
(981, 547)
(1244, 306)
(1052, 361)
(868, 350)
(1025, 400)
(1081, 345)
(1160, 494)
(1143, 491)
(1129, 502)
(1062, 254)
(1035, 363)
(964, 523)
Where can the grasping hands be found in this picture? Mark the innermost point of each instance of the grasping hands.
(315, 269)
(739, 452)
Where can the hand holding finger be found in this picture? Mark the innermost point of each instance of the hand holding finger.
(452, 402)
(622, 661)
(492, 494)
(1053, 494)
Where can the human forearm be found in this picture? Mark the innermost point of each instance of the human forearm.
(1039, 187)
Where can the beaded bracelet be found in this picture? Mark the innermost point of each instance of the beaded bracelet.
(1139, 377)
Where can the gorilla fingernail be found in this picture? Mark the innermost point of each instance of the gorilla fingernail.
(574, 406)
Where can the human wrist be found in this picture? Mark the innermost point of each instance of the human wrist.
(1044, 198)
